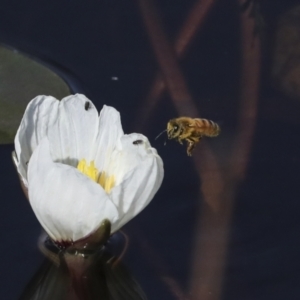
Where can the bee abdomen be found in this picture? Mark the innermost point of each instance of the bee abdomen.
(208, 127)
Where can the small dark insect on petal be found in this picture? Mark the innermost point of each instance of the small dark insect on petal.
(137, 142)
(87, 105)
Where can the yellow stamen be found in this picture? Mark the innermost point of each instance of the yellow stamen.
(107, 182)
(88, 170)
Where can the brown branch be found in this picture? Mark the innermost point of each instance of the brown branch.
(197, 16)
(206, 164)
(195, 19)
(249, 94)
(184, 104)
(167, 60)
(219, 192)
(211, 244)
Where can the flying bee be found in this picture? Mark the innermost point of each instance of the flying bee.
(191, 130)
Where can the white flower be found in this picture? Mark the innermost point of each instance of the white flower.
(80, 168)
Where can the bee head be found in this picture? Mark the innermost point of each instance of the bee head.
(173, 129)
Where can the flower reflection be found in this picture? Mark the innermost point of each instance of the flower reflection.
(81, 274)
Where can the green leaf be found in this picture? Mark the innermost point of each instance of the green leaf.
(22, 79)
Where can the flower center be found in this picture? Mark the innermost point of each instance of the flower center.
(107, 182)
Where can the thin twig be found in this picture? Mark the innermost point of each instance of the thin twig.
(195, 19)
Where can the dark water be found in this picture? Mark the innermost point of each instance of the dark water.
(95, 41)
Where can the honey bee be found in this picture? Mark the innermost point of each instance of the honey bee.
(191, 130)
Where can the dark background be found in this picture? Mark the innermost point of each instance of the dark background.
(93, 41)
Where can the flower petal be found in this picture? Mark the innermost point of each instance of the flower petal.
(142, 172)
(109, 133)
(67, 203)
(131, 152)
(74, 132)
(40, 114)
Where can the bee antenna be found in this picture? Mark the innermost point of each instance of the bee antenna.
(160, 134)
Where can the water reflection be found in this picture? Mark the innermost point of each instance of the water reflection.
(83, 274)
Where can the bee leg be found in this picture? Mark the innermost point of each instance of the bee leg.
(190, 148)
(180, 141)
(192, 141)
